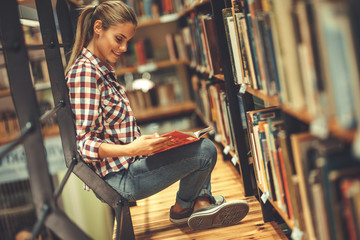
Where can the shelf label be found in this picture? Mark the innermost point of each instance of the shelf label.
(211, 74)
(296, 234)
(243, 88)
(169, 18)
(226, 150)
(319, 127)
(149, 67)
(265, 197)
(234, 160)
(217, 138)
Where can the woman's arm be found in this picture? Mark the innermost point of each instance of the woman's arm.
(144, 145)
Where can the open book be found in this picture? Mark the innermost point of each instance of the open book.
(179, 138)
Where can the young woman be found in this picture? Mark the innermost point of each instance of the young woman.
(110, 141)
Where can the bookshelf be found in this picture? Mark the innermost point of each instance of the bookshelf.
(281, 82)
(308, 117)
(161, 112)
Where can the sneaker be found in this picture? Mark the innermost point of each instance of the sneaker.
(222, 215)
(182, 218)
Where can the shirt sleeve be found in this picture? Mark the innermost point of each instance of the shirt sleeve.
(84, 97)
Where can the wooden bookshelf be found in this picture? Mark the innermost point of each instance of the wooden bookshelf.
(47, 131)
(333, 127)
(173, 16)
(195, 4)
(38, 87)
(272, 100)
(161, 112)
(153, 66)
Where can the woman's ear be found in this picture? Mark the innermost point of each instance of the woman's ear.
(98, 26)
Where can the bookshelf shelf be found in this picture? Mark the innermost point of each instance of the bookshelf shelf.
(149, 67)
(38, 87)
(148, 22)
(336, 130)
(4, 92)
(47, 131)
(196, 4)
(272, 100)
(289, 223)
(161, 112)
(302, 115)
(333, 126)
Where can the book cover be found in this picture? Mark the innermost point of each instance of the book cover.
(246, 38)
(179, 138)
(289, 52)
(214, 92)
(350, 192)
(213, 45)
(253, 50)
(227, 13)
(287, 166)
(301, 143)
(319, 211)
(332, 155)
(271, 130)
(336, 177)
(340, 62)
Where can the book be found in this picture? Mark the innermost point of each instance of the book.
(339, 61)
(289, 52)
(179, 138)
(333, 158)
(232, 45)
(214, 50)
(301, 143)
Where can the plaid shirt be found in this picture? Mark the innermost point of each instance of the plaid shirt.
(101, 111)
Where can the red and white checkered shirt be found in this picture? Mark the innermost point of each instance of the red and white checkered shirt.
(101, 111)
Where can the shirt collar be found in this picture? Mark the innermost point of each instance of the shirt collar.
(105, 68)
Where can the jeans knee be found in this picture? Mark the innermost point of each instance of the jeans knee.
(209, 149)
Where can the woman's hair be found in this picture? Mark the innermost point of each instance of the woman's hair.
(109, 12)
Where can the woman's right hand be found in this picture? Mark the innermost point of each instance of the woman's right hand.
(148, 144)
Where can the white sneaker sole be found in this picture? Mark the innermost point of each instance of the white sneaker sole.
(226, 214)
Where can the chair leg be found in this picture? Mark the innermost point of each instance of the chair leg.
(123, 228)
(114, 230)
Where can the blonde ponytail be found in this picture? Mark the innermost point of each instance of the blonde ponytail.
(109, 12)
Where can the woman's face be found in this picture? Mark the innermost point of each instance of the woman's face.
(111, 43)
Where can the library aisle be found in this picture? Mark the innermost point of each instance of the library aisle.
(151, 216)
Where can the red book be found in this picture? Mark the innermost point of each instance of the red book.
(181, 138)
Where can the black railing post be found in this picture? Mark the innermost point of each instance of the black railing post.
(231, 92)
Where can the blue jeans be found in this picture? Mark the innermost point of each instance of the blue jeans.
(192, 164)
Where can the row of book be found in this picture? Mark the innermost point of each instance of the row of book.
(212, 103)
(138, 53)
(9, 125)
(306, 52)
(201, 43)
(196, 43)
(314, 182)
(159, 95)
(149, 9)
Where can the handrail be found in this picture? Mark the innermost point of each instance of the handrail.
(23, 133)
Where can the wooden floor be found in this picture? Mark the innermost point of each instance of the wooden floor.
(151, 216)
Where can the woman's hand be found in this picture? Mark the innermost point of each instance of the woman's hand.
(144, 145)
(148, 144)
